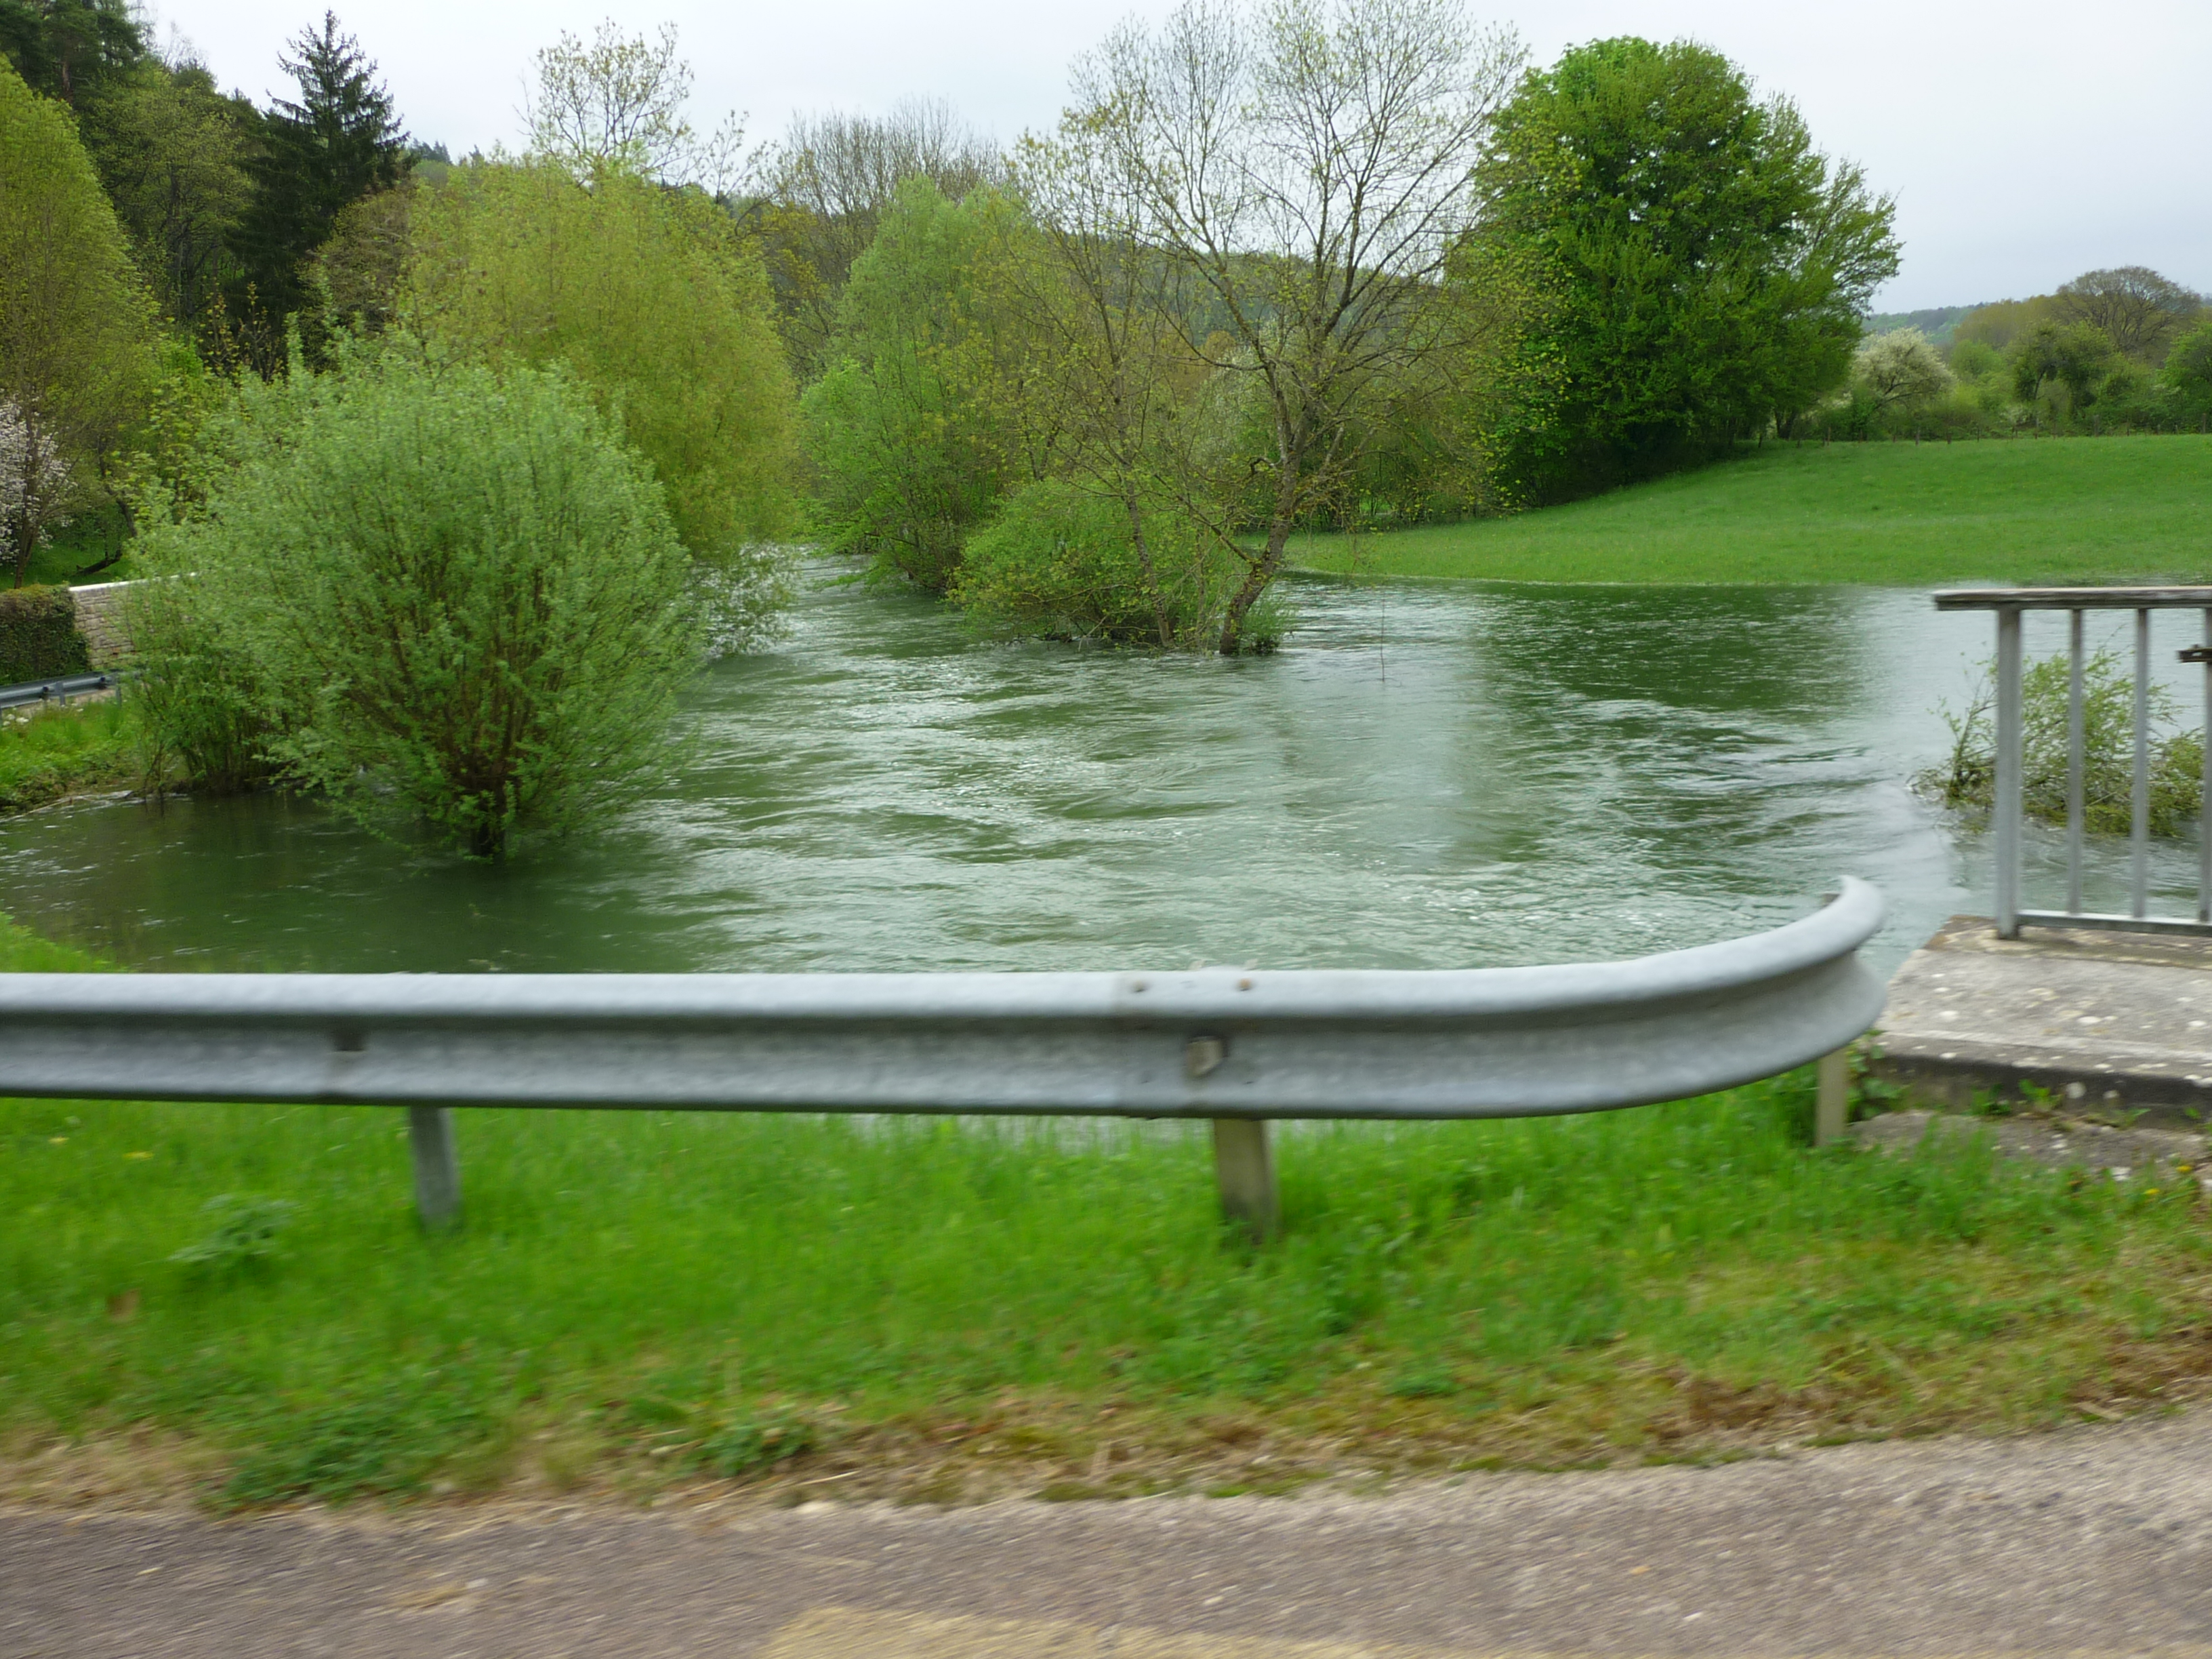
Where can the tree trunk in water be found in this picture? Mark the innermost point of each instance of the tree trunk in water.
(1151, 576)
(1257, 577)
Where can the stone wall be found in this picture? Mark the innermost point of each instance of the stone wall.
(99, 618)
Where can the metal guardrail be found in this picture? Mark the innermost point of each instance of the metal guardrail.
(61, 688)
(2009, 602)
(1236, 1047)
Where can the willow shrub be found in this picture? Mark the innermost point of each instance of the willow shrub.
(661, 309)
(449, 597)
(1064, 562)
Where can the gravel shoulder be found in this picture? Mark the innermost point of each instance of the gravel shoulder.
(2085, 1540)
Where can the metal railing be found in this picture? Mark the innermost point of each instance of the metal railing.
(1236, 1047)
(2005, 811)
(61, 687)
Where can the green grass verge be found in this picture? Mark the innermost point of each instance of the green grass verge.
(60, 751)
(2059, 511)
(932, 1309)
(70, 552)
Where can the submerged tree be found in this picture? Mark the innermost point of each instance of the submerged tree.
(917, 426)
(1967, 777)
(1305, 168)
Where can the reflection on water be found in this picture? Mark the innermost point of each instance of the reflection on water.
(1427, 775)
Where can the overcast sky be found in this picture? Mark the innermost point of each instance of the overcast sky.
(2025, 142)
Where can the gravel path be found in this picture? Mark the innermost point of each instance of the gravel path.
(2087, 1540)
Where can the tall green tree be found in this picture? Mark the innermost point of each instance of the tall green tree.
(650, 295)
(2139, 310)
(916, 428)
(1703, 265)
(2074, 357)
(67, 49)
(340, 140)
(823, 191)
(75, 325)
(173, 153)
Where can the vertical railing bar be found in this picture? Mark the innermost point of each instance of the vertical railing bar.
(2076, 743)
(2140, 872)
(2204, 803)
(2006, 808)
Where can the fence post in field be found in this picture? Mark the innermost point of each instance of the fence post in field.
(1244, 1165)
(1832, 1112)
(437, 1166)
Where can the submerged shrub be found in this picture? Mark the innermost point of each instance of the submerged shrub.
(1066, 563)
(1967, 778)
(444, 595)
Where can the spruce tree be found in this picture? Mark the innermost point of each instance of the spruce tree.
(338, 142)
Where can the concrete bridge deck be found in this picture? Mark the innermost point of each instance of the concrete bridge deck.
(2110, 1025)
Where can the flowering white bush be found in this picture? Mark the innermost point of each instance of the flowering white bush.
(1902, 368)
(32, 479)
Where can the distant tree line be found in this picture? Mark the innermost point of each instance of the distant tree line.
(2125, 350)
(1322, 264)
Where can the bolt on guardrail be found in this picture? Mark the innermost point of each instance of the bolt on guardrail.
(2006, 810)
(1237, 1048)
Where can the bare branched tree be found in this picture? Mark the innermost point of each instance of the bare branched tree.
(620, 101)
(1115, 387)
(1305, 167)
(822, 190)
(2138, 308)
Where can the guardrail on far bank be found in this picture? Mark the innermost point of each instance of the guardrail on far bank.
(58, 690)
(1236, 1047)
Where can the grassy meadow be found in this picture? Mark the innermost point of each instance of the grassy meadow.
(2055, 511)
(236, 1302)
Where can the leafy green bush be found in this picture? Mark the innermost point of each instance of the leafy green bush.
(38, 635)
(1967, 777)
(202, 720)
(661, 310)
(450, 596)
(1066, 563)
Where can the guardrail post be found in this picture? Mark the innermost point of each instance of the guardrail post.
(1832, 1112)
(2006, 808)
(437, 1166)
(1244, 1164)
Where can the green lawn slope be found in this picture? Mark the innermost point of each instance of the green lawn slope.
(2072, 510)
